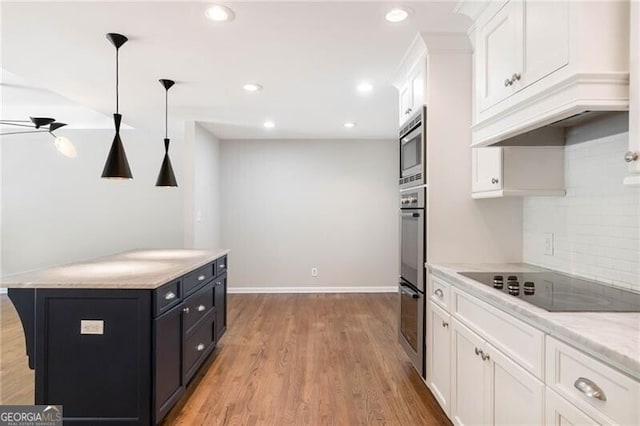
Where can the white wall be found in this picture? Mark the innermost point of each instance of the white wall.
(597, 225)
(291, 205)
(202, 188)
(58, 210)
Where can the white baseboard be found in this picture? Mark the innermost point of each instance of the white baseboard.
(259, 290)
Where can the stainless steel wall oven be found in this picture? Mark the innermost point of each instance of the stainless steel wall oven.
(412, 280)
(413, 151)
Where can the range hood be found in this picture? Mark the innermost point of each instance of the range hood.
(582, 127)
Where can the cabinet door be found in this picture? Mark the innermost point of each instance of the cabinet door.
(559, 412)
(439, 350)
(470, 388)
(545, 40)
(405, 102)
(168, 385)
(220, 300)
(486, 169)
(517, 396)
(499, 54)
(417, 84)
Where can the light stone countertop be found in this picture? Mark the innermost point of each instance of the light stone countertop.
(136, 269)
(609, 336)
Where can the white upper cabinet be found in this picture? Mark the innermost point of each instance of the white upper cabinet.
(538, 62)
(499, 54)
(411, 81)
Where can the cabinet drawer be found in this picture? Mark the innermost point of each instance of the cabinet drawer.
(197, 306)
(568, 369)
(521, 342)
(167, 296)
(198, 346)
(560, 412)
(198, 277)
(440, 292)
(221, 266)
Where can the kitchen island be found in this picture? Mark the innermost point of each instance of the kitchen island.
(115, 340)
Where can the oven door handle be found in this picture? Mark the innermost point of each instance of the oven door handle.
(410, 214)
(404, 289)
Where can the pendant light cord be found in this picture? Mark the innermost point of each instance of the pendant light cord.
(117, 83)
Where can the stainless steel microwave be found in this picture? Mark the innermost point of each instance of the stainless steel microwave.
(413, 150)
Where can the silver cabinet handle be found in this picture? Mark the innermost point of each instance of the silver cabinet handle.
(478, 351)
(201, 308)
(507, 82)
(219, 283)
(485, 357)
(186, 310)
(630, 156)
(201, 278)
(200, 347)
(494, 180)
(590, 389)
(170, 296)
(515, 77)
(223, 266)
(438, 292)
(445, 324)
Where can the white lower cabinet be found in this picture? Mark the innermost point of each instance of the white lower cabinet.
(489, 388)
(559, 412)
(439, 354)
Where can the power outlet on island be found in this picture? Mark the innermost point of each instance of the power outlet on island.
(91, 327)
(314, 272)
(548, 244)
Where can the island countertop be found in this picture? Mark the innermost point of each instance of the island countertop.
(136, 269)
(612, 337)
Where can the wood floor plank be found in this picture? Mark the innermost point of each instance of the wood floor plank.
(286, 359)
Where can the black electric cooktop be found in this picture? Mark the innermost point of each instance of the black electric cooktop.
(557, 292)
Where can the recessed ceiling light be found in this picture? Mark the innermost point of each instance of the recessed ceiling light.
(397, 15)
(219, 13)
(349, 124)
(364, 87)
(252, 87)
(269, 124)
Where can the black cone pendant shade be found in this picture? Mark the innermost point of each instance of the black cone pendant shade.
(117, 166)
(166, 177)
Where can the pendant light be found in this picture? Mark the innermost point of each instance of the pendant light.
(166, 177)
(117, 166)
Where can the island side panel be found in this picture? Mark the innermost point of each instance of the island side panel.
(24, 300)
(98, 375)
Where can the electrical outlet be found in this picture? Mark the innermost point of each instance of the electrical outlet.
(91, 327)
(314, 272)
(548, 244)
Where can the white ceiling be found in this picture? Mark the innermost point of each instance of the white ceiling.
(309, 56)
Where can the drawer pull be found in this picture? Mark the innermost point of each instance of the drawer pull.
(445, 324)
(439, 293)
(170, 296)
(200, 347)
(201, 308)
(223, 266)
(590, 389)
(186, 310)
(201, 278)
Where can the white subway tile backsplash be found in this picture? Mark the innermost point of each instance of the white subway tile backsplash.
(596, 226)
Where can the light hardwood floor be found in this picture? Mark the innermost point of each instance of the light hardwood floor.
(289, 359)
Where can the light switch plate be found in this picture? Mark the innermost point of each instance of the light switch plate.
(548, 244)
(91, 327)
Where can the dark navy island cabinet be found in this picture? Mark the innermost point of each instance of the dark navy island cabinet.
(134, 370)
